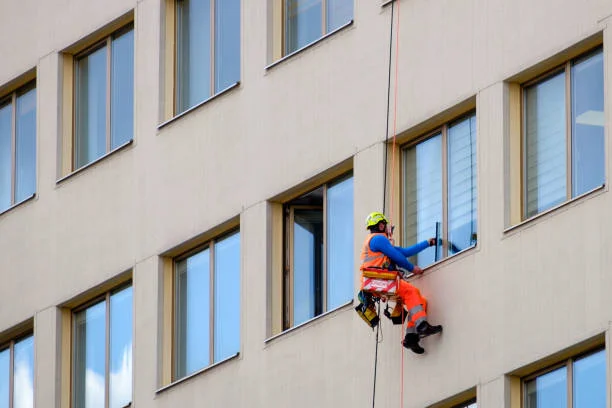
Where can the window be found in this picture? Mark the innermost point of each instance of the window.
(17, 146)
(17, 373)
(207, 49)
(102, 352)
(319, 265)
(563, 134)
(103, 97)
(440, 191)
(207, 305)
(306, 21)
(577, 383)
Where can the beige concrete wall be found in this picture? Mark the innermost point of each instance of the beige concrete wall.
(518, 297)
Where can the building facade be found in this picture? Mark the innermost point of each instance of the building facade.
(184, 183)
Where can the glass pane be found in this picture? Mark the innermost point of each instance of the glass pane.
(192, 53)
(121, 348)
(545, 145)
(227, 297)
(5, 361)
(193, 313)
(423, 197)
(339, 12)
(462, 201)
(6, 161)
(227, 43)
(25, 173)
(23, 387)
(89, 357)
(340, 257)
(590, 381)
(307, 264)
(548, 390)
(303, 23)
(588, 147)
(90, 108)
(122, 89)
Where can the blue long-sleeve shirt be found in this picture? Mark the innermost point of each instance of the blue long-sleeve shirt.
(398, 255)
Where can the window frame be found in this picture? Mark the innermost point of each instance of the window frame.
(565, 68)
(10, 346)
(210, 245)
(466, 404)
(106, 298)
(324, 32)
(568, 363)
(288, 255)
(11, 99)
(443, 131)
(104, 43)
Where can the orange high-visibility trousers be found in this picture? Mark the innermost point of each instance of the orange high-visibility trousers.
(414, 303)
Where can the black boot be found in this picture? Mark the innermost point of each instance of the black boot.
(411, 341)
(425, 329)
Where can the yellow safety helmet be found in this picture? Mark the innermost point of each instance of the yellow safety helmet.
(374, 218)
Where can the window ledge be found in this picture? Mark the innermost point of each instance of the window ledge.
(387, 3)
(204, 102)
(99, 159)
(12, 207)
(309, 45)
(308, 322)
(449, 259)
(591, 193)
(197, 373)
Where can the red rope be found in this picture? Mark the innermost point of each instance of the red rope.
(392, 188)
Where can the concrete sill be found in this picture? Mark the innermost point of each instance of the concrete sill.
(308, 322)
(309, 45)
(204, 102)
(98, 160)
(197, 373)
(12, 207)
(449, 259)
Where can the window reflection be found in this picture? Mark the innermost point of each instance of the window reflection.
(303, 23)
(193, 311)
(121, 348)
(590, 381)
(25, 146)
(6, 114)
(227, 297)
(548, 390)
(122, 89)
(5, 359)
(23, 373)
(340, 262)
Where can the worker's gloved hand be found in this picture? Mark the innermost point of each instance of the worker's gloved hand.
(432, 241)
(417, 270)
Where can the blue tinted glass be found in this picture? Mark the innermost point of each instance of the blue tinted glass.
(340, 259)
(307, 264)
(545, 145)
(120, 348)
(90, 356)
(462, 201)
(25, 165)
(23, 374)
(339, 12)
(227, 43)
(588, 170)
(122, 89)
(192, 53)
(193, 313)
(548, 390)
(423, 197)
(303, 23)
(227, 297)
(6, 161)
(90, 108)
(5, 360)
(590, 381)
